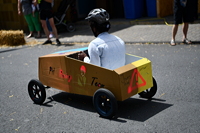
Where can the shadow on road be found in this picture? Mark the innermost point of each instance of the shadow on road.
(133, 108)
(140, 109)
(195, 42)
(13, 49)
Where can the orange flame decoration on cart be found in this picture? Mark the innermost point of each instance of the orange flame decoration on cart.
(134, 81)
(81, 76)
(66, 76)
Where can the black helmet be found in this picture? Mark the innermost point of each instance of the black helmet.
(98, 15)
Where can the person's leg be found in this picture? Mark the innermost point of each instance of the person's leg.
(174, 32)
(178, 9)
(30, 24)
(43, 16)
(44, 26)
(185, 30)
(51, 21)
(54, 30)
(36, 23)
(46, 31)
(188, 17)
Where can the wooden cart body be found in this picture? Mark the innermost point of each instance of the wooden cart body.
(62, 70)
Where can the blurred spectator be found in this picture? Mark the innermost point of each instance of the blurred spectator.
(185, 11)
(33, 21)
(46, 12)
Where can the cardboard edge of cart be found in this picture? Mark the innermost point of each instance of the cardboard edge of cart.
(61, 70)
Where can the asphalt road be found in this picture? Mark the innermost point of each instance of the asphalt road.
(174, 108)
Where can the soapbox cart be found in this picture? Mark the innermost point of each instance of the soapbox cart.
(62, 70)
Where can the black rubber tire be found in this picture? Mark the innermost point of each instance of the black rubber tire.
(149, 93)
(105, 103)
(70, 27)
(36, 91)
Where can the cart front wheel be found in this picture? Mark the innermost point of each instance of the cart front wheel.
(36, 91)
(149, 93)
(105, 103)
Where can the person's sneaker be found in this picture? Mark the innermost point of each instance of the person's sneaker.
(47, 42)
(58, 42)
(50, 35)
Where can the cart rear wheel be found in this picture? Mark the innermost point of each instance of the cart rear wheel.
(149, 93)
(70, 27)
(36, 91)
(105, 103)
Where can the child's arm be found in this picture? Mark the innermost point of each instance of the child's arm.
(19, 7)
(35, 2)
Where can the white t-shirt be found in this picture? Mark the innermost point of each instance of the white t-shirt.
(107, 51)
